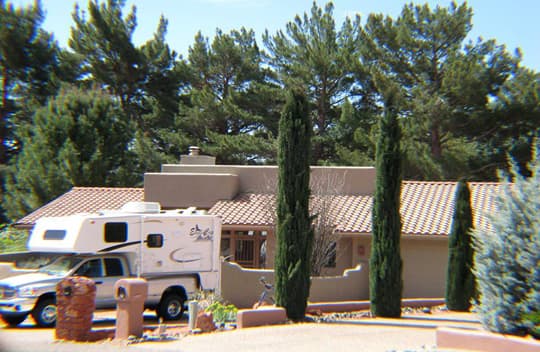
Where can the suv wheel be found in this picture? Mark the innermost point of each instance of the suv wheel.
(171, 307)
(44, 313)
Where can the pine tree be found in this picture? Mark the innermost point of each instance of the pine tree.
(81, 138)
(232, 108)
(294, 232)
(29, 69)
(460, 279)
(311, 51)
(449, 85)
(507, 256)
(145, 79)
(385, 282)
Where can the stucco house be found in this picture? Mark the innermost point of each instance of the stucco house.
(244, 196)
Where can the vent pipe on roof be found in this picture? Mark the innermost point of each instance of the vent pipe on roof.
(194, 157)
(194, 150)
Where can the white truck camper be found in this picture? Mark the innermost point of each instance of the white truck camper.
(176, 251)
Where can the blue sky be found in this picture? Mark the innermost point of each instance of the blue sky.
(513, 23)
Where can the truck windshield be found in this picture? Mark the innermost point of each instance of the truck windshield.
(61, 266)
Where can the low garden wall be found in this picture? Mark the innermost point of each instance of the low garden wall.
(241, 287)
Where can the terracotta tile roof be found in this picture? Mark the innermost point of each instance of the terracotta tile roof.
(83, 200)
(484, 201)
(426, 208)
(246, 209)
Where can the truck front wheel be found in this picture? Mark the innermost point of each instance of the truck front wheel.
(14, 320)
(171, 307)
(44, 313)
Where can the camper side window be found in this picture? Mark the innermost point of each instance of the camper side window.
(115, 232)
(154, 240)
(54, 234)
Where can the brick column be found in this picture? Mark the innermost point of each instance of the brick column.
(75, 301)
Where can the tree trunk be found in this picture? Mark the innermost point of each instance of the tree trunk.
(436, 147)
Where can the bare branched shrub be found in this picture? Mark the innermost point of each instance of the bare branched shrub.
(325, 188)
(324, 192)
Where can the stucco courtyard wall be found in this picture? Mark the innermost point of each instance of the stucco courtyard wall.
(242, 288)
(425, 263)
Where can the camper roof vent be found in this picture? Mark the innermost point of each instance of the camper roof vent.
(141, 207)
(191, 211)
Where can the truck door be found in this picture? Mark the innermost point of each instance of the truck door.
(105, 272)
(114, 271)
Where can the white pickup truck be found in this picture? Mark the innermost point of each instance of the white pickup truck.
(177, 252)
(34, 293)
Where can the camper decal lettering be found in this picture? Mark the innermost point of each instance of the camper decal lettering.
(201, 235)
(178, 257)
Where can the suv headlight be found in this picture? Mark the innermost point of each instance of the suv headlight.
(27, 291)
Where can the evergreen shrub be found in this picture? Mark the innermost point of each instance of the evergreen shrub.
(507, 256)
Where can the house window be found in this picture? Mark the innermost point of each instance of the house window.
(225, 248)
(116, 232)
(331, 256)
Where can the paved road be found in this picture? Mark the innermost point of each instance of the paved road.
(408, 334)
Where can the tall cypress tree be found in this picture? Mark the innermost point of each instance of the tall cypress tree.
(460, 279)
(294, 231)
(385, 282)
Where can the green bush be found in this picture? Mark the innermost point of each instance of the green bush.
(12, 240)
(222, 313)
(209, 301)
(534, 318)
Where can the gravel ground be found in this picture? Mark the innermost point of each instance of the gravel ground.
(412, 333)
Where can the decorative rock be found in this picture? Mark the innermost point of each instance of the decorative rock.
(262, 316)
(205, 322)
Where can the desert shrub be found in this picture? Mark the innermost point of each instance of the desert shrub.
(507, 256)
(222, 312)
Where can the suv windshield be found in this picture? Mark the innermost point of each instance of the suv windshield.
(61, 266)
